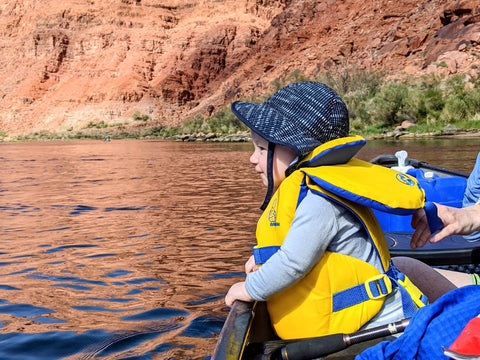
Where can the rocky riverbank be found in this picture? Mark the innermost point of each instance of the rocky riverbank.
(403, 131)
(450, 131)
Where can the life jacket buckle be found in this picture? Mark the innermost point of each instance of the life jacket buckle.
(378, 286)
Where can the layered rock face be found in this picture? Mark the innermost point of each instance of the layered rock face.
(66, 63)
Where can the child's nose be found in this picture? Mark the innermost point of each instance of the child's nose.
(253, 158)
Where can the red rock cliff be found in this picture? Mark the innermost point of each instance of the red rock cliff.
(66, 63)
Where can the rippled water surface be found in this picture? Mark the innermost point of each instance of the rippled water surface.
(125, 249)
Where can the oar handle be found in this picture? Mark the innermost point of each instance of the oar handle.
(377, 332)
(310, 348)
(324, 345)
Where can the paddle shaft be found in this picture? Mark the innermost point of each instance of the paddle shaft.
(324, 345)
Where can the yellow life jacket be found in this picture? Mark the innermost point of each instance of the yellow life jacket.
(341, 293)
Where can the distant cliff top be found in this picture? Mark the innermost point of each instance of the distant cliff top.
(64, 64)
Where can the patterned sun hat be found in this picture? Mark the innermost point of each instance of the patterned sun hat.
(301, 116)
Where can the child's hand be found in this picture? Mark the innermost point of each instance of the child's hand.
(250, 265)
(237, 292)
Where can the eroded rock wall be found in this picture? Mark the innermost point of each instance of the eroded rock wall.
(65, 64)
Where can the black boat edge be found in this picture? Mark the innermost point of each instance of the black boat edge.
(452, 253)
(234, 333)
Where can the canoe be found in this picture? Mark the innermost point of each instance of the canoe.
(247, 333)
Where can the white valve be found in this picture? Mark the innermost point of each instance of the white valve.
(401, 157)
(429, 175)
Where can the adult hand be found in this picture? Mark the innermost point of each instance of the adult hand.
(461, 221)
(422, 231)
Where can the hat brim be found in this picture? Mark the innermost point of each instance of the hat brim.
(270, 125)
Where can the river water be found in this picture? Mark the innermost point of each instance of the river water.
(125, 249)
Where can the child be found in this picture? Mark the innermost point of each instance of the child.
(320, 260)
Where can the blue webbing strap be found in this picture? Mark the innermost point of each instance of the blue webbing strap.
(357, 294)
(434, 222)
(262, 254)
(378, 288)
(303, 191)
(409, 307)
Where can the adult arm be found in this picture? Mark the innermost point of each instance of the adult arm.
(462, 221)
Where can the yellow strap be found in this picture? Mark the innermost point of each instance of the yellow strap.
(415, 293)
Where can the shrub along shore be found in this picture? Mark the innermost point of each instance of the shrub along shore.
(379, 107)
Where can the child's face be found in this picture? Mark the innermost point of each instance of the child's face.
(282, 159)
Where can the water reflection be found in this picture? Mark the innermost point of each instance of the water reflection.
(120, 249)
(126, 248)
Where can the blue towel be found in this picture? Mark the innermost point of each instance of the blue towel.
(434, 326)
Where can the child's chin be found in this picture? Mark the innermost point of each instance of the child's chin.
(265, 181)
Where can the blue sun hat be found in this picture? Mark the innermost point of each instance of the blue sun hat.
(300, 116)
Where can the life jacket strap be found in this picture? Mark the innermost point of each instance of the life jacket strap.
(403, 282)
(410, 294)
(262, 254)
(380, 286)
(374, 288)
(434, 222)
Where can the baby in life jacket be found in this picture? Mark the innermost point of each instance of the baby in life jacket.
(321, 262)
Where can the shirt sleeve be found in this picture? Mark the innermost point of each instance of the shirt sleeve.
(312, 229)
(471, 195)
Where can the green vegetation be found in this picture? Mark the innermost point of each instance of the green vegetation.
(442, 64)
(223, 122)
(138, 116)
(99, 125)
(376, 104)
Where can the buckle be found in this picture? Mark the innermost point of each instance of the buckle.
(378, 286)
